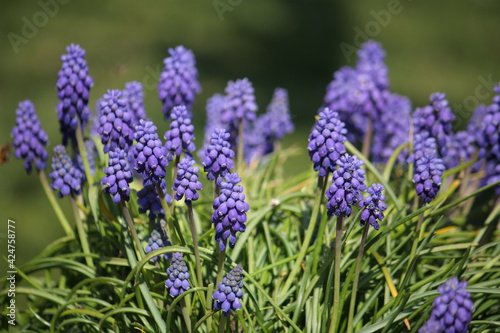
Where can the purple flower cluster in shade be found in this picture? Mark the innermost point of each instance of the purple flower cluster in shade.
(73, 86)
(157, 240)
(460, 149)
(489, 138)
(492, 174)
(148, 199)
(240, 103)
(29, 139)
(118, 176)
(177, 276)
(180, 137)
(134, 95)
(186, 183)
(371, 60)
(230, 211)
(374, 206)
(214, 109)
(347, 184)
(229, 293)
(179, 80)
(435, 120)
(149, 154)
(115, 122)
(66, 177)
(452, 309)
(427, 169)
(476, 122)
(218, 160)
(326, 141)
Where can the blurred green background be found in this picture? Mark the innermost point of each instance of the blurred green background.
(449, 46)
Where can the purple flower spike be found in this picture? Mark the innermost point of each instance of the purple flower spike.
(186, 183)
(180, 137)
(452, 309)
(178, 276)
(214, 109)
(278, 110)
(460, 149)
(240, 103)
(326, 142)
(117, 176)
(230, 211)
(219, 156)
(157, 240)
(135, 101)
(29, 139)
(73, 88)
(371, 60)
(374, 206)
(230, 292)
(115, 122)
(347, 184)
(148, 199)
(66, 177)
(179, 80)
(150, 156)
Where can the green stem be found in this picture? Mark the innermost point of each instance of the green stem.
(220, 267)
(83, 154)
(356, 279)
(322, 181)
(336, 276)
(82, 233)
(222, 323)
(131, 226)
(55, 205)
(367, 139)
(414, 246)
(195, 243)
(185, 314)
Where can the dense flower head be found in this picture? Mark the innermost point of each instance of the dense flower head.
(452, 309)
(73, 86)
(180, 137)
(177, 276)
(29, 139)
(347, 184)
(115, 122)
(218, 160)
(214, 109)
(326, 141)
(371, 60)
(476, 120)
(240, 103)
(258, 142)
(492, 174)
(230, 211)
(278, 112)
(186, 183)
(118, 176)
(460, 149)
(427, 169)
(150, 156)
(179, 80)
(489, 137)
(374, 206)
(134, 95)
(158, 239)
(435, 120)
(149, 200)
(66, 177)
(229, 293)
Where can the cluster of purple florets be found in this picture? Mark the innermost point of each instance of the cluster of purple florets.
(135, 101)
(186, 183)
(158, 239)
(180, 137)
(118, 176)
(374, 206)
(66, 177)
(177, 276)
(229, 292)
(218, 160)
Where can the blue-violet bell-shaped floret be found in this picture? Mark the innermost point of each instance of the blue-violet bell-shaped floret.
(118, 176)
(218, 160)
(179, 80)
(29, 139)
(326, 141)
(452, 309)
(115, 122)
(229, 293)
(186, 183)
(180, 137)
(66, 177)
(134, 95)
(177, 276)
(230, 211)
(73, 87)
(374, 206)
(158, 239)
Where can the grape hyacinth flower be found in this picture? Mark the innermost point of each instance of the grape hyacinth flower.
(278, 110)
(115, 122)
(371, 60)
(230, 211)
(66, 177)
(149, 154)
(73, 88)
(492, 174)
(186, 183)
(460, 149)
(452, 308)
(157, 240)
(214, 109)
(148, 199)
(489, 141)
(29, 139)
(347, 184)
(178, 276)
(179, 80)
(230, 292)
(118, 176)
(374, 206)
(135, 101)
(218, 160)
(180, 137)
(428, 168)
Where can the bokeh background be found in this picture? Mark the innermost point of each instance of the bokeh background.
(449, 46)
